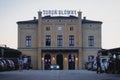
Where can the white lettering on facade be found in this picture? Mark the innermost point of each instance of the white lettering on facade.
(59, 12)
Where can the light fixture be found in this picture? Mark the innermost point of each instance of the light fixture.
(53, 58)
(42, 58)
(65, 58)
(76, 59)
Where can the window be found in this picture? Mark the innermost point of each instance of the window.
(90, 41)
(59, 40)
(28, 41)
(47, 28)
(60, 20)
(90, 58)
(59, 27)
(48, 40)
(71, 40)
(47, 20)
(71, 28)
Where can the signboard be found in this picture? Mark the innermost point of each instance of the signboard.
(59, 12)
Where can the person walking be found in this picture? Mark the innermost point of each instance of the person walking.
(98, 63)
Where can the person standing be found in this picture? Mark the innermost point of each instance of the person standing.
(98, 63)
(20, 64)
(110, 63)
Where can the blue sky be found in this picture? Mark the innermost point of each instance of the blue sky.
(107, 11)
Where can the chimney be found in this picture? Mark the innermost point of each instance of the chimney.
(84, 18)
(34, 18)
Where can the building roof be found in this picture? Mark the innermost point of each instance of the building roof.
(84, 21)
(60, 17)
(9, 52)
(35, 21)
(28, 22)
(112, 51)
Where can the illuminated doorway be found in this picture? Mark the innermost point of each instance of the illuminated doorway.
(47, 61)
(71, 62)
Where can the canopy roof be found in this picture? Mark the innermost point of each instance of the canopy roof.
(9, 52)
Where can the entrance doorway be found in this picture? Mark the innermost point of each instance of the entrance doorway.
(47, 61)
(71, 62)
(60, 61)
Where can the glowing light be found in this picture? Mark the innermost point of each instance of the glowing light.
(53, 58)
(76, 59)
(42, 58)
(48, 60)
(65, 58)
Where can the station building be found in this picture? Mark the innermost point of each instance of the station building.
(68, 41)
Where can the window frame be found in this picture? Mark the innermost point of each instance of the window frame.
(48, 40)
(91, 41)
(28, 40)
(71, 28)
(47, 28)
(71, 40)
(59, 40)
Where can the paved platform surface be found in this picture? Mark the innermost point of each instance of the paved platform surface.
(57, 75)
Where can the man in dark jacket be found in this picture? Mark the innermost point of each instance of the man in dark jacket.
(98, 63)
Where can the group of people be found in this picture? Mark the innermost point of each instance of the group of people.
(111, 64)
(24, 65)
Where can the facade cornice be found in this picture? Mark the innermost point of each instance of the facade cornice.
(59, 48)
